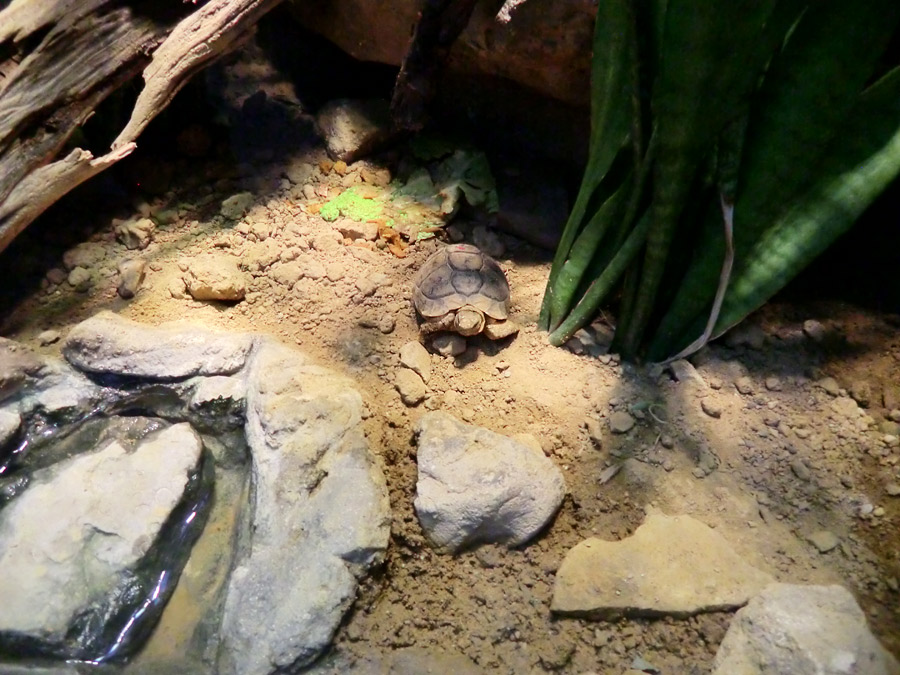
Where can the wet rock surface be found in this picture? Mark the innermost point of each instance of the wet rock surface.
(81, 523)
(128, 496)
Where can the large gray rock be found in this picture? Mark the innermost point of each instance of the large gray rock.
(802, 629)
(671, 565)
(66, 539)
(321, 515)
(109, 343)
(476, 486)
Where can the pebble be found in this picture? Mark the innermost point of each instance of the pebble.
(410, 386)
(893, 489)
(667, 442)
(80, 279)
(57, 275)
(620, 422)
(800, 470)
(829, 385)
(711, 407)
(47, 337)
(448, 344)
(894, 415)
(773, 384)
(386, 324)
(861, 392)
(415, 357)
(744, 385)
(823, 540)
(334, 271)
(878, 511)
(595, 431)
(131, 276)
(814, 330)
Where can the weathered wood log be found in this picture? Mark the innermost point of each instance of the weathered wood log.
(59, 59)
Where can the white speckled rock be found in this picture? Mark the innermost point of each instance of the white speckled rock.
(476, 486)
(802, 629)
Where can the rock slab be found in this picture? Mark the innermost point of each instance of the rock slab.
(109, 343)
(66, 538)
(802, 629)
(321, 515)
(476, 486)
(671, 566)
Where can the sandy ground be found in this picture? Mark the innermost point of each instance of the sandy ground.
(785, 457)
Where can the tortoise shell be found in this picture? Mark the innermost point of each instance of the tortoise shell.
(460, 275)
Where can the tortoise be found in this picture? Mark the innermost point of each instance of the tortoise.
(462, 289)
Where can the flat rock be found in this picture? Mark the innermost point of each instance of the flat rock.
(215, 278)
(109, 343)
(321, 515)
(415, 357)
(802, 629)
(671, 566)
(475, 486)
(81, 522)
(829, 385)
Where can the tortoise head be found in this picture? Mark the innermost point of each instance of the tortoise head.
(468, 321)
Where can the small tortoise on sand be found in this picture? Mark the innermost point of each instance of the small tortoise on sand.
(463, 290)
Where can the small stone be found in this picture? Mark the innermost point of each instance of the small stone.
(56, 276)
(892, 489)
(861, 392)
(620, 422)
(334, 271)
(415, 357)
(823, 540)
(448, 344)
(386, 324)
(595, 431)
(878, 511)
(667, 442)
(80, 279)
(47, 337)
(234, 206)
(711, 407)
(829, 385)
(773, 384)
(215, 278)
(352, 229)
(313, 269)
(131, 276)
(744, 385)
(800, 470)
(136, 234)
(410, 386)
(894, 415)
(814, 330)
(500, 330)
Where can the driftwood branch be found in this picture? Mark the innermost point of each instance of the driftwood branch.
(59, 59)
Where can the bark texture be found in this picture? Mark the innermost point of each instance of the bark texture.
(59, 59)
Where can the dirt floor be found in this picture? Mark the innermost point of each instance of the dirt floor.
(790, 452)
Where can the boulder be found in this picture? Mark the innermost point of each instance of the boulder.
(476, 486)
(802, 629)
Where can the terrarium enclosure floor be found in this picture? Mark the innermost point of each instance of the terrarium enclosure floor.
(779, 463)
